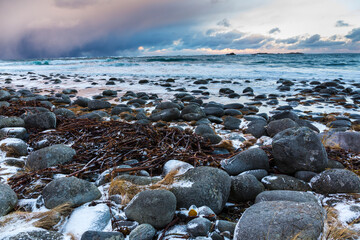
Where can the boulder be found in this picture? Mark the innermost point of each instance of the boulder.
(13, 147)
(143, 232)
(284, 182)
(257, 128)
(199, 227)
(286, 195)
(276, 126)
(13, 132)
(69, 190)
(43, 120)
(95, 235)
(167, 115)
(98, 104)
(8, 199)
(202, 186)
(37, 235)
(336, 181)
(346, 140)
(231, 123)
(11, 122)
(49, 156)
(253, 158)
(155, 207)
(64, 113)
(299, 149)
(276, 220)
(245, 188)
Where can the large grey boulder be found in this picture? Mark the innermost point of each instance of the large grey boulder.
(346, 140)
(202, 186)
(42, 120)
(155, 207)
(8, 199)
(284, 182)
(286, 195)
(70, 190)
(278, 220)
(299, 149)
(254, 158)
(245, 187)
(49, 156)
(336, 181)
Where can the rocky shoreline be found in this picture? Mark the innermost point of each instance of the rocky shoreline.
(140, 167)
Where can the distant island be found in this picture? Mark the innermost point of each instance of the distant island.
(277, 53)
(230, 54)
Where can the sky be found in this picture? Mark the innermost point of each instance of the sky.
(94, 28)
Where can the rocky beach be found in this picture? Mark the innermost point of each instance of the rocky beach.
(151, 156)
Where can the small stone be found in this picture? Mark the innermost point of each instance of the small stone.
(199, 227)
(143, 232)
(8, 199)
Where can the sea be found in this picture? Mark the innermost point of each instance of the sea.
(250, 66)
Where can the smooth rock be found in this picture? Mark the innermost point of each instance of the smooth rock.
(49, 156)
(277, 126)
(299, 149)
(95, 235)
(143, 232)
(231, 123)
(245, 188)
(155, 207)
(202, 186)
(198, 227)
(253, 158)
(8, 199)
(336, 181)
(43, 120)
(69, 190)
(286, 195)
(37, 235)
(275, 220)
(11, 122)
(346, 140)
(284, 182)
(256, 128)
(14, 147)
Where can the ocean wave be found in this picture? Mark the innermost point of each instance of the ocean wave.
(172, 60)
(41, 63)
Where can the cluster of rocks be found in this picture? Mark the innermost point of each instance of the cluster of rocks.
(194, 202)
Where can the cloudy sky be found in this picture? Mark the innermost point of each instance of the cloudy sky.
(72, 28)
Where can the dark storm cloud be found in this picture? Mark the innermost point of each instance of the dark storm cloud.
(341, 23)
(274, 30)
(354, 35)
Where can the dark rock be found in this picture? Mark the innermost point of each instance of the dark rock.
(214, 119)
(233, 106)
(340, 124)
(213, 138)
(98, 104)
(214, 111)
(110, 93)
(204, 129)
(248, 89)
(167, 115)
(203, 186)
(275, 220)
(299, 149)
(286, 195)
(199, 227)
(49, 156)
(82, 102)
(4, 95)
(258, 173)
(257, 128)
(155, 207)
(225, 226)
(192, 112)
(143, 232)
(64, 112)
(37, 235)
(8, 199)
(334, 164)
(117, 110)
(231, 123)
(95, 235)
(168, 105)
(44, 120)
(284, 182)
(11, 122)
(232, 112)
(336, 181)
(69, 190)
(254, 158)
(277, 126)
(306, 176)
(245, 188)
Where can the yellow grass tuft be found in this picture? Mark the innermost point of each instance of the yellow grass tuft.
(336, 230)
(128, 190)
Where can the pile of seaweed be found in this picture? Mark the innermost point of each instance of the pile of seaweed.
(105, 145)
